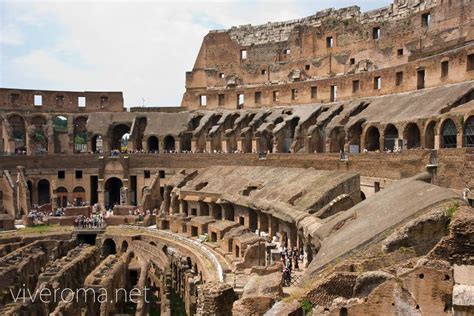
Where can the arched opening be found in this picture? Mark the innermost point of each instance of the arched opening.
(430, 135)
(124, 247)
(169, 143)
(316, 144)
(230, 213)
(337, 139)
(390, 137)
(448, 133)
(469, 132)
(38, 139)
(112, 192)
(80, 135)
(412, 136)
(362, 196)
(186, 141)
(265, 142)
(253, 220)
(108, 247)
(97, 144)
(152, 243)
(120, 136)
(61, 197)
(354, 133)
(44, 196)
(17, 124)
(372, 139)
(60, 134)
(153, 144)
(78, 195)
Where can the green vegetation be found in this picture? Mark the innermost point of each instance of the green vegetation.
(306, 306)
(451, 210)
(60, 124)
(39, 136)
(80, 139)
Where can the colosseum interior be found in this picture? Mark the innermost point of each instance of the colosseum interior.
(320, 166)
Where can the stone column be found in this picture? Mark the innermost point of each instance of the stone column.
(70, 134)
(177, 143)
(124, 195)
(101, 193)
(208, 146)
(437, 141)
(459, 140)
(255, 142)
(182, 208)
(239, 144)
(194, 145)
(224, 146)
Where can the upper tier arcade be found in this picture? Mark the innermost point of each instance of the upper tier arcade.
(334, 55)
(60, 101)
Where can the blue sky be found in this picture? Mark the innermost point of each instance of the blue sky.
(142, 48)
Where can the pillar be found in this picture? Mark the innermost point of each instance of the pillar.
(224, 145)
(239, 145)
(437, 141)
(124, 195)
(459, 140)
(208, 146)
(255, 142)
(194, 145)
(101, 193)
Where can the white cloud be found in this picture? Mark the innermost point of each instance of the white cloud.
(10, 35)
(140, 48)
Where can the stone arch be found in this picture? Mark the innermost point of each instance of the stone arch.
(353, 137)
(390, 137)
(18, 131)
(97, 143)
(372, 139)
(119, 140)
(468, 132)
(448, 133)
(316, 143)
(109, 247)
(78, 195)
(430, 135)
(44, 193)
(412, 136)
(186, 140)
(253, 219)
(169, 143)
(80, 134)
(265, 143)
(153, 144)
(61, 197)
(337, 139)
(38, 136)
(124, 246)
(60, 134)
(112, 191)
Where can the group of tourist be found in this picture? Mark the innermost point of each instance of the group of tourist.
(93, 221)
(36, 216)
(290, 261)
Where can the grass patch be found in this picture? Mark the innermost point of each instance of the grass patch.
(451, 210)
(306, 306)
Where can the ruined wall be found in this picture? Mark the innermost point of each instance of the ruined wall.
(297, 62)
(60, 101)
